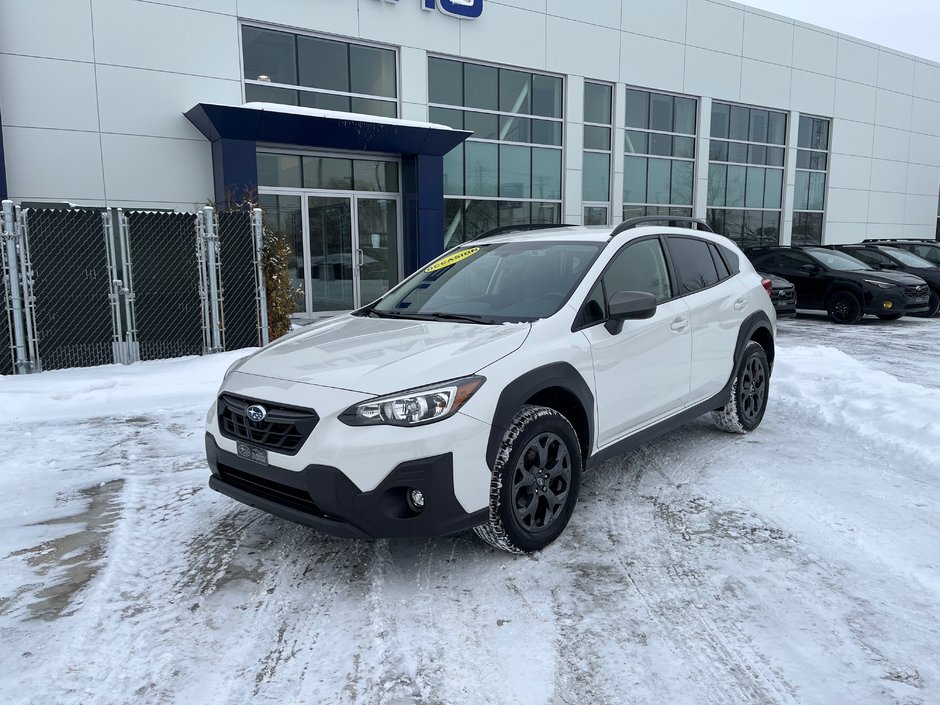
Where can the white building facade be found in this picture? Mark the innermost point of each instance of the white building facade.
(772, 129)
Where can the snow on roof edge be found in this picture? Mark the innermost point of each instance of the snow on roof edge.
(337, 115)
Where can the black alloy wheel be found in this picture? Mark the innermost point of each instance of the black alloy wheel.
(540, 483)
(844, 308)
(752, 390)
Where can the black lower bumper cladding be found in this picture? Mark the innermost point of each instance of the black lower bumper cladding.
(323, 497)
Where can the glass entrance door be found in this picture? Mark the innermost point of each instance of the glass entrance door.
(332, 284)
(377, 247)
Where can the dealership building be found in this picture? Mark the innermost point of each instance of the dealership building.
(377, 133)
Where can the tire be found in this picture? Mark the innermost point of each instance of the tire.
(932, 306)
(527, 510)
(844, 308)
(748, 399)
(890, 316)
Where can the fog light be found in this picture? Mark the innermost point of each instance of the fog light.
(416, 500)
(888, 304)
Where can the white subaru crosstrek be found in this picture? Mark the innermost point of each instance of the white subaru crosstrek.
(476, 392)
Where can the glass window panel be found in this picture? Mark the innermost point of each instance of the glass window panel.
(279, 170)
(639, 267)
(718, 151)
(756, 154)
(723, 272)
(801, 191)
(773, 188)
(445, 81)
(325, 101)
(547, 93)
(367, 106)
(595, 215)
(453, 223)
(515, 91)
(683, 147)
(658, 180)
(372, 71)
(481, 169)
(770, 232)
(715, 218)
(820, 134)
(734, 225)
(328, 172)
(596, 177)
(634, 179)
(597, 103)
(269, 94)
(546, 132)
(661, 112)
(737, 152)
(805, 134)
(269, 56)
(693, 263)
(454, 171)
(775, 156)
(753, 228)
(717, 183)
(445, 116)
(777, 128)
(283, 213)
(633, 212)
(661, 145)
(596, 137)
(513, 213)
(817, 191)
(759, 125)
(739, 124)
(481, 87)
(638, 109)
(546, 213)
(754, 196)
(480, 217)
(685, 116)
(484, 126)
(323, 63)
(818, 160)
(515, 129)
(636, 142)
(721, 116)
(682, 183)
(546, 173)
(802, 159)
(371, 175)
(515, 171)
(734, 195)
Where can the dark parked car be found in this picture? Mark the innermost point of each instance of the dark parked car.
(928, 249)
(782, 293)
(842, 286)
(886, 257)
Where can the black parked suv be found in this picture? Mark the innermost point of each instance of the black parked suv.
(886, 257)
(782, 293)
(842, 286)
(928, 249)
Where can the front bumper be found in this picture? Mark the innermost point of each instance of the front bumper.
(891, 301)
(324, 498)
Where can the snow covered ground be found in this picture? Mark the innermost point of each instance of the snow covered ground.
(799, 564)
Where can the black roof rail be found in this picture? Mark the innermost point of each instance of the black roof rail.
(898, 239)
(521, 227)
(645, 219)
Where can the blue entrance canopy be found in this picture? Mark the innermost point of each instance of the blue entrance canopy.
(236, 130)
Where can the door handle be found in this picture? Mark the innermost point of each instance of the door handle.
(360, 257)
(680, 324)
(740, 304)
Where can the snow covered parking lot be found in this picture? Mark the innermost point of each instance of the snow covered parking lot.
(798, 564)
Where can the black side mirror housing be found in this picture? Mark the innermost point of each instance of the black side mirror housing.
(810, 269)
(887, 265)
(628, 306)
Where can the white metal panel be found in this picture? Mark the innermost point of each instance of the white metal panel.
(845, 206)
(927, 81)
(812, 93)
(317, 15)
(653, 19)
(893, 110)
(49, 28)
(711, 25)
(887, 175)
(604, 14)
(814, 50)
(414, 75)
(53, 165)
(923, 180)
(765, 84)
(849, 137)
(405, 25)
(855, 101)
(920, 209)
(768, 39)
(925, 149)
(886, 208)
(637, 67)
(157, 169)
(895, 73)
(48, 93)
(925, 116)
(508, 36)
(890, 143)
(847, 171)
(712, 74)
(566, 54)
(857, 62)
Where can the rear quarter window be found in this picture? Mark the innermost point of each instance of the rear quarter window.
(694, 265)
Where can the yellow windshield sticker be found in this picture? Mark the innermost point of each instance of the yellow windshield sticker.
(452, 259)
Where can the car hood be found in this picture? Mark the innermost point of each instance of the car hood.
(931, 275)
(381, 356)
(891, 277)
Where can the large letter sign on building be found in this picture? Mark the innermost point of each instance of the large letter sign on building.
(461, 9)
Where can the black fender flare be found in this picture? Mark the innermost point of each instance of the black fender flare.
(516, 393)
(751, 325)
(844, 287)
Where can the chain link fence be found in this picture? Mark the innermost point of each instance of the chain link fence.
(240, 292)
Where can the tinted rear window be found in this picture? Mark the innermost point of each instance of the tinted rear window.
(694, 265)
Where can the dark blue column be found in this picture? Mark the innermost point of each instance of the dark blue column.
(422, 209)
(234, 171)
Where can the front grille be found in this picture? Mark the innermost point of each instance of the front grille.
(786, 295)
(916, 292)
(283, 430)
(269, 489)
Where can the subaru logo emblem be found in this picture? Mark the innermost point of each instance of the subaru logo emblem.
(256, 412)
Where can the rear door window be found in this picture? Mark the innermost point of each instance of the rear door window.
(694, 265)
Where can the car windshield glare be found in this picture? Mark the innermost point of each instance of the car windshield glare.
(908, 259)
(837, 260)
(509, 282)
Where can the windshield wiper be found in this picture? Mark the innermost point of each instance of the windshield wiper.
(466, 318)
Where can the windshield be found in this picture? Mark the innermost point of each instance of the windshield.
(837, 260)
(493, 283)
(908, 259)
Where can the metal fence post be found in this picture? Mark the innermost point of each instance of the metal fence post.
(16, 292)
(120, 350)
(29, 300)
(257, 223)
(130, 313)
(215, 323)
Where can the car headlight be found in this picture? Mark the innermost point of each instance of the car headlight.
(414, 407)
(880, 285)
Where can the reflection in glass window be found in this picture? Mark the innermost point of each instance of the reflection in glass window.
(661, 127)
(296, 69)
(809, 193)
(330, 173)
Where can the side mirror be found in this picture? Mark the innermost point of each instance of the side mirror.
(628, 306)
(887, 265)
(810, 269)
